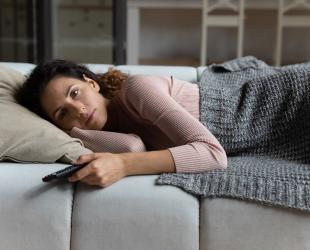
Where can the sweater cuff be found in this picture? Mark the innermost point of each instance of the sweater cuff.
(73, 132)
(197, 157)
(185, 159)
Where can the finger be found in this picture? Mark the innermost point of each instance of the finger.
(90, 180)
(94, 181)
(84, 159)
(80, 174)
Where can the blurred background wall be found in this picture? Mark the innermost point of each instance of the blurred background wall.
(94, 31)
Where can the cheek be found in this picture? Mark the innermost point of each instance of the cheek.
(98, 101)
(48, 105)
(68, 124)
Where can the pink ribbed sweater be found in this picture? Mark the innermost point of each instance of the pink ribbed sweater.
(154, 113)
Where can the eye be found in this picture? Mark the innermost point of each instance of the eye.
(62, 114)
(74, 93)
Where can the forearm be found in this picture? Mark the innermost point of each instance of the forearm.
(151, 162)
(107, 141)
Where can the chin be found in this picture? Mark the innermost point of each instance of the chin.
(98, 122)
(98, 125)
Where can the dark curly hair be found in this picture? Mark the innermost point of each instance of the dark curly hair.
(30, 93)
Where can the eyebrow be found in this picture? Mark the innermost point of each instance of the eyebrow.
(68, 91)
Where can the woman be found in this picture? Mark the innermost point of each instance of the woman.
(115, 108)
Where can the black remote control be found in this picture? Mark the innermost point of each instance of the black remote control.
(63, 173)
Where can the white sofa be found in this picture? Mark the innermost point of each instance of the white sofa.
(134, 213)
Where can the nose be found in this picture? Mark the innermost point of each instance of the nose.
(76, 110)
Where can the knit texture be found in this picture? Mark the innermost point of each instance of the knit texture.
(261, 116)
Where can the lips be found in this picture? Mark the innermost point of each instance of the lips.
(90, 117)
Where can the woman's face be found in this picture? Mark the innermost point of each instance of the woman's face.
(70, 102)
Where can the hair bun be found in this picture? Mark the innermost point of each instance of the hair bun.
(111, 81)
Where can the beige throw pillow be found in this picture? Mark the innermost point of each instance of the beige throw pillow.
(24, 136)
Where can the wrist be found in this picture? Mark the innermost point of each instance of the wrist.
(151, 162)
(124, 163)
(132, 163)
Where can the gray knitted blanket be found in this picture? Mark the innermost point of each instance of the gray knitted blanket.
(261, 116)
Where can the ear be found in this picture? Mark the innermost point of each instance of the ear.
(91, 82)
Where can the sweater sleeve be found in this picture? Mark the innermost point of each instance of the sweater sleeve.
(196, 148)
(105, 141)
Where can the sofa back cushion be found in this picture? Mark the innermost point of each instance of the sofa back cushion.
(180, 72)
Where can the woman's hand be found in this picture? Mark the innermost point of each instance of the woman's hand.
(102, 169)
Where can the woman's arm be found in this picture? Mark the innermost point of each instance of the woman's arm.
(195, 148)
(103, 169)
(152, 162)
(106, 141)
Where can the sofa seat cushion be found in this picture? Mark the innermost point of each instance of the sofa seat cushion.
(240, 225)
(134, 213)
(34, 215)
